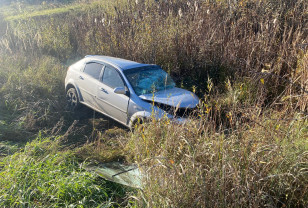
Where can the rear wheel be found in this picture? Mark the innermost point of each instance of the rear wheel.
(72, 99)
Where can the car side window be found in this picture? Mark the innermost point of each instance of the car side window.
(93, 69)
(112, 78)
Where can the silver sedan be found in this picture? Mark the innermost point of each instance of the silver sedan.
(127, 91)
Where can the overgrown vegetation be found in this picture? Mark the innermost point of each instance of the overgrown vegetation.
(248, 166)
(42, 175)
(246, 60)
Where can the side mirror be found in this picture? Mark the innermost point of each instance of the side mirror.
(120, 90)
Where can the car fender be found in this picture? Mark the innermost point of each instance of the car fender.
(139, 115)
(71, 82)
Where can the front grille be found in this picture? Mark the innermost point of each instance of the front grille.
(185, 112)
(177, 112)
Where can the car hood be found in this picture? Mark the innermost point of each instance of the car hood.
(175, 97)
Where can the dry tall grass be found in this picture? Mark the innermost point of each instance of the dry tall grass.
(198, 166)
(194, 40)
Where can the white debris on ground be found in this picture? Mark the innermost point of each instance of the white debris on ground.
(128, 175)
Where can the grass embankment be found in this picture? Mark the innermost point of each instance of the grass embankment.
(44, 12)
(21, 11)
(247, 149)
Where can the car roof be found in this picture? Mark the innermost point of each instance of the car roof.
(122, 64)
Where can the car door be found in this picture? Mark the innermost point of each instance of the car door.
(113, 104)
(88, 81)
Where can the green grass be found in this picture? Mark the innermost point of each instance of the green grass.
(20, 8)
(28, 90)
(43, 175)
(9, 148)
(45, 12)
(25, 11)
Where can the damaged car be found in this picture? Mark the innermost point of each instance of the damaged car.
(127, 91)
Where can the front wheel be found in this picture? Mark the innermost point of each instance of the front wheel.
(137, 123)
(72, 99)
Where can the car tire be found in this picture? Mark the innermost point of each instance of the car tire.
(137, 123)
(72, 99)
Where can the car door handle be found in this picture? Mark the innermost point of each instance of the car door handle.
(105, 91)
(80, 77)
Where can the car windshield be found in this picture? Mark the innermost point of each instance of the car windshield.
(149, 79)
